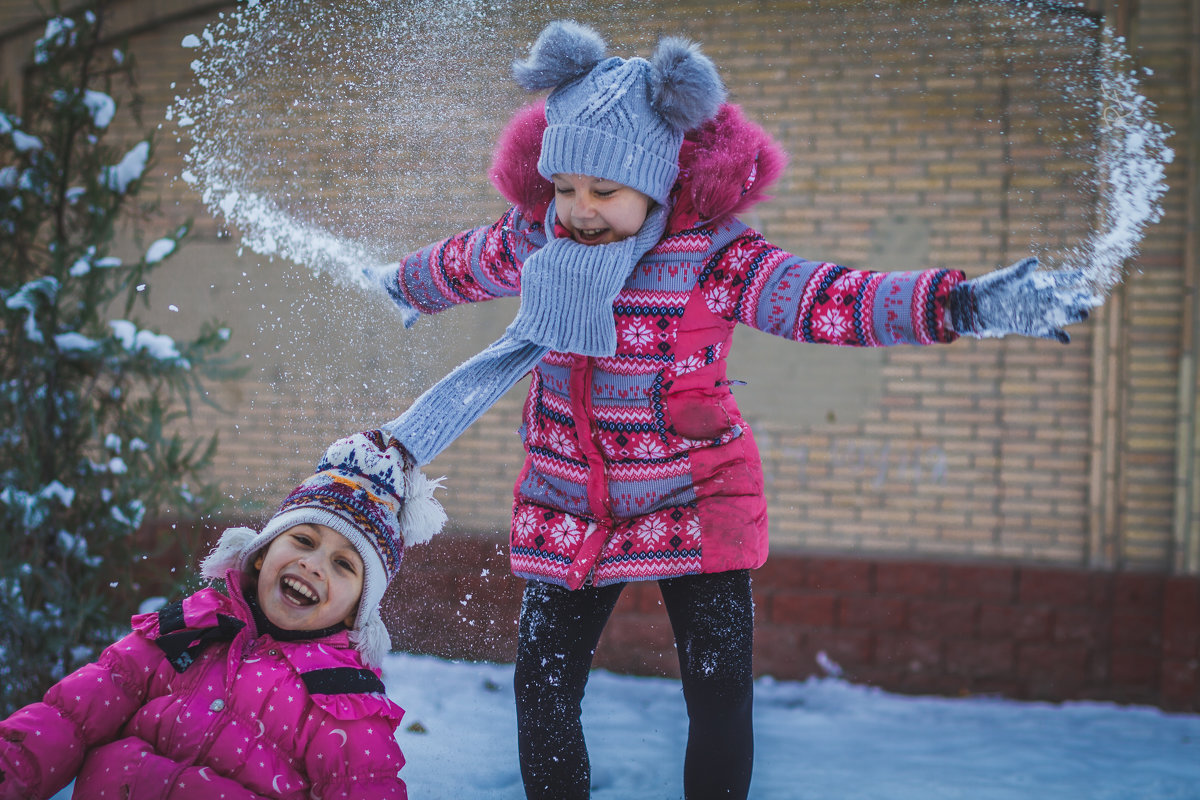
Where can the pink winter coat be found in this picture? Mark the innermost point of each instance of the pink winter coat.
(238, 717)
(640, 466)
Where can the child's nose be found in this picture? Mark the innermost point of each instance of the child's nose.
(584, 207)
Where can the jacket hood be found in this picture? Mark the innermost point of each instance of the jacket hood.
(725, 165)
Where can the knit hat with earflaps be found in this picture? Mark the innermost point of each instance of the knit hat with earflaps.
(366, 488)
(617, 119)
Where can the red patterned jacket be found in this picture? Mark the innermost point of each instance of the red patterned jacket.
(639, 466)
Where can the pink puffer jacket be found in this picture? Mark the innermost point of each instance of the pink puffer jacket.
(247, 717)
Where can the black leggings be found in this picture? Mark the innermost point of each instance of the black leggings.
(712, 617)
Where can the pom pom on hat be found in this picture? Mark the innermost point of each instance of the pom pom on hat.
(372, 640)
(564, 51)
(228, 553)
(366, 488)
(422, 516)
(684, 86)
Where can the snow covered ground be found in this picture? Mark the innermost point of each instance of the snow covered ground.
(820, 739)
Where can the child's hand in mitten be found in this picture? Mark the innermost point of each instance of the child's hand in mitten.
(385, 276)
(1021, 299)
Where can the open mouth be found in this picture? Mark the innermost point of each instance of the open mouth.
(298, 591)
(586, 236)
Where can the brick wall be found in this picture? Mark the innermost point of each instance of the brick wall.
(920, 136)
(909, 149)
(1153, 326)
(909, 626)
(949, 628)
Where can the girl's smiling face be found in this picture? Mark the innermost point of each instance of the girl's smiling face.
(598, 211)
(310, 577)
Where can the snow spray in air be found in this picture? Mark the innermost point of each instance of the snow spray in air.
(1131, 164)
(1127, 177)
(307, 120)
(321, 132)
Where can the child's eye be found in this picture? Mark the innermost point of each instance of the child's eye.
(302, 539)
(346, 564)
(562, 190)
(605, 192)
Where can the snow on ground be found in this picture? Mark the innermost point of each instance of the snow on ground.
(821, 739)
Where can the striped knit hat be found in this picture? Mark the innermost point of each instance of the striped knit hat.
(617, 119)
(366, 488)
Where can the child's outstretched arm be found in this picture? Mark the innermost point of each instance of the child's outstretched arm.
(480, 264)
(42, 745)
(753, 282)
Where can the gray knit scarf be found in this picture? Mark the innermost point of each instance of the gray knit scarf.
(567, 294)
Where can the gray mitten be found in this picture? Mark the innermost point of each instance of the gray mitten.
(386, 277)
(1021, 299)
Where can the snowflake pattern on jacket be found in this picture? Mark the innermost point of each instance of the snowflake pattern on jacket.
(639, 466)
(251, 717)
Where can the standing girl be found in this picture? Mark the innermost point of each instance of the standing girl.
(633, 273)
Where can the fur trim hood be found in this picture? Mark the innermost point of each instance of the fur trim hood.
(726, 166)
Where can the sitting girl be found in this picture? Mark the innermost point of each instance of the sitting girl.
(269, 689)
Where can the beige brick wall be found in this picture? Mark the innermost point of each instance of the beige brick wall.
(910, 149)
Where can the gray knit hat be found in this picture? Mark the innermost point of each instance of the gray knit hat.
(617, 119)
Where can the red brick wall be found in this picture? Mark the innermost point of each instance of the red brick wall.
(906, 626)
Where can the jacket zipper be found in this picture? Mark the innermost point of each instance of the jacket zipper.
(597, 486)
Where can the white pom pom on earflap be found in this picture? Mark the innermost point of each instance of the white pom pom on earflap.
(227, 554)
(563, 51)
(422, 515)
(372, 641)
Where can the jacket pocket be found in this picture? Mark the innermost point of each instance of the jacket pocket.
(702, 417)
